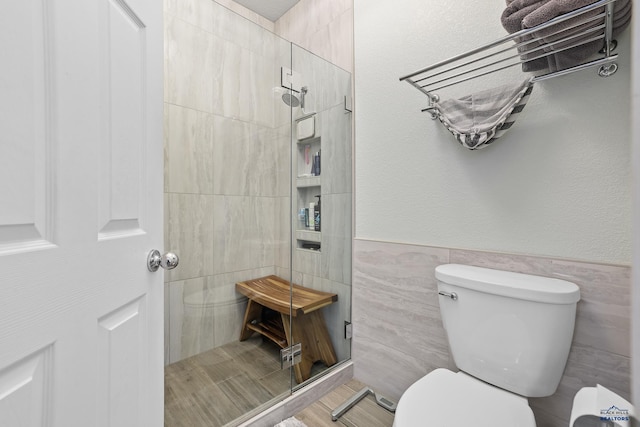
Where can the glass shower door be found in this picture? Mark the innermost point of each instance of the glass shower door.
(227, 190)
(321, 207)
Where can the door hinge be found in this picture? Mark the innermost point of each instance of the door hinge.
(290, 356)
(348, 330)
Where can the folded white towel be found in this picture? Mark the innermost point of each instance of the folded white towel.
(479, 119)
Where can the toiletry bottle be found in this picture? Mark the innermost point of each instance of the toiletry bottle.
(306, 217)
(316, 164)
(311, 220)
(316, 215)
(313, 166)
(301, 219)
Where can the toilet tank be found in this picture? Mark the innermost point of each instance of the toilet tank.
(511, 330)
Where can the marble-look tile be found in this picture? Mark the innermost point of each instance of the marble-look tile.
(244, 235)
(604, 311)
(340, 33)
(398, 280)
(335, 263)
(242, 31)
(508, 262)
(383, 273)
(191, 234)
(167, 326)
(165, 146)
(336, 314)
(307, 262)
(190, 150)
(205, 314)
(410, 324)
(242, 83)
(308, 17)
(389, 370)
(189, 57)
(196, 12)
(283, 233)
(176, 317)
(166, 232)
(405, 269)
(327, 84)
(249, 160)
(336, 237)
(336, 160)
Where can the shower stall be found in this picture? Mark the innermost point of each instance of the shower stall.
(245, 113)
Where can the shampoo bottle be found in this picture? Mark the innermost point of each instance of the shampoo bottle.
(316, 164)
(316, 215)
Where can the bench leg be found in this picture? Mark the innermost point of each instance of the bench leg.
(253, 312)
(310, 331)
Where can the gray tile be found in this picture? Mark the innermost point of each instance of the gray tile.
(190, 150)
(386, 275)
(191, 234)
(245, 233)
(189, 56)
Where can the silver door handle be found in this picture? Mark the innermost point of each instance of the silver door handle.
(168, 261)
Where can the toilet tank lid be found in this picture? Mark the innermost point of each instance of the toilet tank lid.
(508, 284)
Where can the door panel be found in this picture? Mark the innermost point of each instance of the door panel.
(124, 80)
(80, 208)
(25, 392)
(25, 80)
(122, 356)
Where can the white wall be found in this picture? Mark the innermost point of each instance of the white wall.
(558, 184)
(635, 327)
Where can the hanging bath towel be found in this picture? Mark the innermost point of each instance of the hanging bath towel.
(479, 119)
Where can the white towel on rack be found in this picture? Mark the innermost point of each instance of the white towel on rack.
(479, 119)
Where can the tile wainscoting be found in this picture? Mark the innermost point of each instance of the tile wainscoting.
(398, 335)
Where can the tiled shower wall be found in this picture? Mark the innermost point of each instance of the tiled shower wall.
(324, 27)
(226, 169)
(330, 269)
(227, 165)
(398, 334)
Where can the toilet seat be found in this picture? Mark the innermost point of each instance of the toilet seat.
(447, 399)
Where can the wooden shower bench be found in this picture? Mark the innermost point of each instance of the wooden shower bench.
(270, 306)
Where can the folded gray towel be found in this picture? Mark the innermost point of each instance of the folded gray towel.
(479, 119)
(555, 8)
(535, 12)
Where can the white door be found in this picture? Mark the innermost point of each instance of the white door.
(81, 317)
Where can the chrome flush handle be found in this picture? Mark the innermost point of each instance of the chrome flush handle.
(451, 295)
(168, 261)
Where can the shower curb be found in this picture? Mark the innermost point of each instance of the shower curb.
(302, 398)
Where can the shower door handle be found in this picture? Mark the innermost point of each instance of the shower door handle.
(168, 261)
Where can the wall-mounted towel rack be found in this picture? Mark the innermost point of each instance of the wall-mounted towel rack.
(580, 28)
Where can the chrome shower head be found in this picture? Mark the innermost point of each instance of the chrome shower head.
(291, 100)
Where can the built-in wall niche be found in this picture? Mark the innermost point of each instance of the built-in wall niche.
(308, 185)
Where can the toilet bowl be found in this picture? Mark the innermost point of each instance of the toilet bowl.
(509, 334)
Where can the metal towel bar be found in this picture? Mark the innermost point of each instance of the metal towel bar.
(530, 45)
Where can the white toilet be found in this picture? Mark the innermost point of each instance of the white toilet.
(509, 335)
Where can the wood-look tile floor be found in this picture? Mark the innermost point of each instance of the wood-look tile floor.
(214, 388)
(218, 386)
(366, 413)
